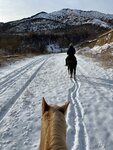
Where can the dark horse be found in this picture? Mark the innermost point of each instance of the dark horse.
(72, 64)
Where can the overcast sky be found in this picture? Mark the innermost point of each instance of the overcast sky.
(18, 9)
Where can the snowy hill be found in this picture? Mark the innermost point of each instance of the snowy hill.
(59, 19)
(60, 28)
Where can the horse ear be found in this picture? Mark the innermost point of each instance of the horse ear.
(63, 108)
(45, 106)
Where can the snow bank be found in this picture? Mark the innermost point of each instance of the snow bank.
(97, 49)
(53, 48)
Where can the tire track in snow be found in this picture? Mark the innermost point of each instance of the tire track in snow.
(11, 78)
(77, 129)
(71, 121)
(13, 73)
(82, 71)
(4, 110)
(85, 77)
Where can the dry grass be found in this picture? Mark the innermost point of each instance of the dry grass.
(4, 60)
(8, 59)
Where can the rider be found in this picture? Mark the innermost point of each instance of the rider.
(70, 52)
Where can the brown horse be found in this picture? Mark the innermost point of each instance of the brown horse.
(53, 129)
(72, 64)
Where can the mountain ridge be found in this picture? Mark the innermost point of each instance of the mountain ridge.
(44, 21)
(35, 33)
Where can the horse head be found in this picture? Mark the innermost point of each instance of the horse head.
(53, 129)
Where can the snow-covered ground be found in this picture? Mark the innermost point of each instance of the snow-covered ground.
(90, 113)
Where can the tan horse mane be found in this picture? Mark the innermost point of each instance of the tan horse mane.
(53, 129)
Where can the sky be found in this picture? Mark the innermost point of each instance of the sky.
(18, 9)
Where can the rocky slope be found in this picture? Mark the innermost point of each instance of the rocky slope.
(107, 37)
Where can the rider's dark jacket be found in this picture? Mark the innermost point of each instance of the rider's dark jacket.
(71, 51)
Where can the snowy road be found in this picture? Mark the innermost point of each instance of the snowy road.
(90, 113)
(10, 82)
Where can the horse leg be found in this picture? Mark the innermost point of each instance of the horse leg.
(75, 73)
(68, 69)
(71, 72)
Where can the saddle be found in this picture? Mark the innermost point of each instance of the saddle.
(71, 60)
